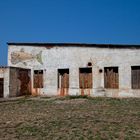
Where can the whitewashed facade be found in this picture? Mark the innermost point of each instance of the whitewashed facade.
(49, 57)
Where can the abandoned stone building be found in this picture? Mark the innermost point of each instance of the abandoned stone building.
(53, 69)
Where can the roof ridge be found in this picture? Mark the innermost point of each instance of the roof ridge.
(77, 44)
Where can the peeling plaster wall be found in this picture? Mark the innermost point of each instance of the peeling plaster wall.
(77, 57)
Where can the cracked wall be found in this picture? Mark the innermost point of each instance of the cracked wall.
(74, 58)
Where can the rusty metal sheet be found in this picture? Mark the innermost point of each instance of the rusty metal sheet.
(1, 87)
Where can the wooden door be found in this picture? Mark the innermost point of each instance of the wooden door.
(85, 80)
(23, 76)
(111, 77)
(63, 81)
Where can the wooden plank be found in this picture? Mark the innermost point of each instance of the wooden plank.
(38, 80)
(63, 80)
(111, 79)
(135, 78)
(139, 79)
(85, 79)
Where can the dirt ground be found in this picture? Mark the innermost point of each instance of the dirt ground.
(70, 119)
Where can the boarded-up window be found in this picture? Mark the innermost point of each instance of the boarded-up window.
(1, 87)
(135, 78)
(38, 78)
(63, 78)
(85, 78)
(111, 77)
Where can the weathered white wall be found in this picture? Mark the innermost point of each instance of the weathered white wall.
(77, 57)
(4, 73)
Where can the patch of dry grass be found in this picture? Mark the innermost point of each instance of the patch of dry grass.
(70, 119)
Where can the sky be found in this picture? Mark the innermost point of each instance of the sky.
(72, 21)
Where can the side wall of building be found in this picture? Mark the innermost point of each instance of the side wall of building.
(51, 59)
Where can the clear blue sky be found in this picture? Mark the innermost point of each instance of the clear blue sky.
(84, 21)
